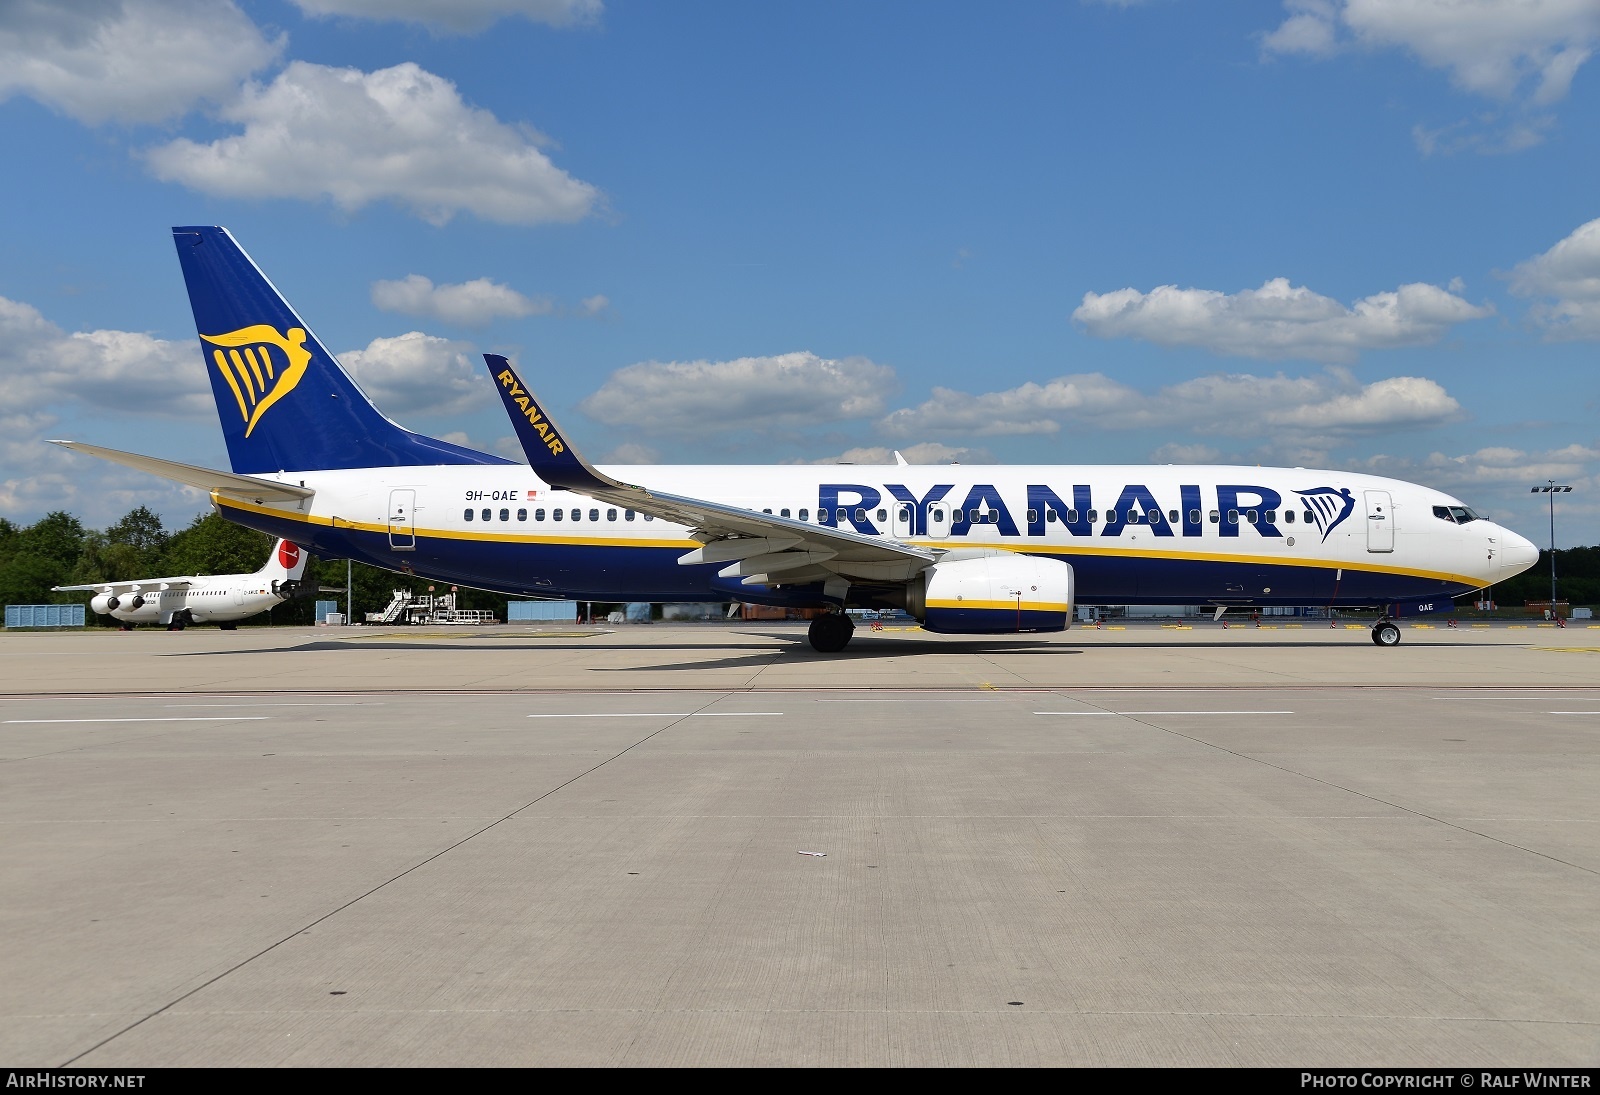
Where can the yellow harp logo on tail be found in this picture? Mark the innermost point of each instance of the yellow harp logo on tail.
(260, 366)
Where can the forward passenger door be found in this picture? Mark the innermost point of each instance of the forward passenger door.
(1380, 521)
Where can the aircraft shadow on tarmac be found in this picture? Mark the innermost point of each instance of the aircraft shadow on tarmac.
(782, 644)
(860, 647)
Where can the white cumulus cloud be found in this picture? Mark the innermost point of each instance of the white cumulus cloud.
(688, 398)
(631, 452)
(417, 372)
(1494, 48)
(460, 16)
(469, 303)
(924, 452)
(1330, 404)
(1029, 408)
(1278, 320)
(48, 376)
(1495, 480)
(128, 60)
(126, 371)
(1569, 272)
(399, 134)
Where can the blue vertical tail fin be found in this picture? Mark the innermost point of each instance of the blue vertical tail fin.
(284, 401)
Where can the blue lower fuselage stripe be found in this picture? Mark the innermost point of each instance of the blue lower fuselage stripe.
(629, 573)
(973, 621)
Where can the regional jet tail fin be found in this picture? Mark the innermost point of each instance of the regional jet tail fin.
(284, 401)
(801, 551)
(287, 563)
(243, 487)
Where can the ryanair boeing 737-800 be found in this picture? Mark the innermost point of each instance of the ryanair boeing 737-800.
(965, 549)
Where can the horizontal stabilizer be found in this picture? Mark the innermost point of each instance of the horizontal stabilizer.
(249, 487)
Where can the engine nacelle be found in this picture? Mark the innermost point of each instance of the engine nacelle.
(993, 594)
(134, 603)
(103, 603)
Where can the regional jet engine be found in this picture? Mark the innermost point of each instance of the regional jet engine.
(103, 603)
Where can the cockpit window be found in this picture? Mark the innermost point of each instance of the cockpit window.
(1460, 515)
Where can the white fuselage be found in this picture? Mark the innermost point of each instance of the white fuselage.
(1201, 534)
(221, 598)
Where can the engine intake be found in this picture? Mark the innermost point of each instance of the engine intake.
(994, 594)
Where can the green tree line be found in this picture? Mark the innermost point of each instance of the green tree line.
(1577, 579)
(58, 550)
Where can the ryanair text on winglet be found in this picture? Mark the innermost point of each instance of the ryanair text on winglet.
(530, 411)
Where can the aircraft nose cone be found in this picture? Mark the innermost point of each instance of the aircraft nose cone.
(1517, 554)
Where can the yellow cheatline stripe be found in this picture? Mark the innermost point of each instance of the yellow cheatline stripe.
(447, 534)
(1203, 557)
(689, 545)
(1010, 606)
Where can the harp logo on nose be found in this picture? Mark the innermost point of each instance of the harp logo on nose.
(1328, 507)
(260, 366)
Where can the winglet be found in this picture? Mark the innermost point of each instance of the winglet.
(550, 454)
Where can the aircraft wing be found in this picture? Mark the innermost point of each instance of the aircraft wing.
(246, 487)
(759, 547)
(140, 585)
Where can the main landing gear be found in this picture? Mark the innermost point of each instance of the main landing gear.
(1385, 633)
(180, 620)
(830, 633)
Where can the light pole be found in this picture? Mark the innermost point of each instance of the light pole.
(1552, 488)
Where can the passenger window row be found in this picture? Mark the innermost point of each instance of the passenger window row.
(1457, 514)
(555, 515)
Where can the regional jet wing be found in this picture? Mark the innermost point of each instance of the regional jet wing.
(119, 588)
(757, 546)
(246, 487)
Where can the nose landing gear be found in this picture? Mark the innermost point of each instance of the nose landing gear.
(830, 633)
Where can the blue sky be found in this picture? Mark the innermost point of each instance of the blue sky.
(1342, 233)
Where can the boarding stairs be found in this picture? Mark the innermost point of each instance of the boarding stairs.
(397, 608)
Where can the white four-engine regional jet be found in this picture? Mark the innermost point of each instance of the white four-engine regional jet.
(221, 599)
(965, 549)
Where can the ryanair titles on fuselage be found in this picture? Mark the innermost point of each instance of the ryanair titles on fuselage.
(530, 411)
(853, 504)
